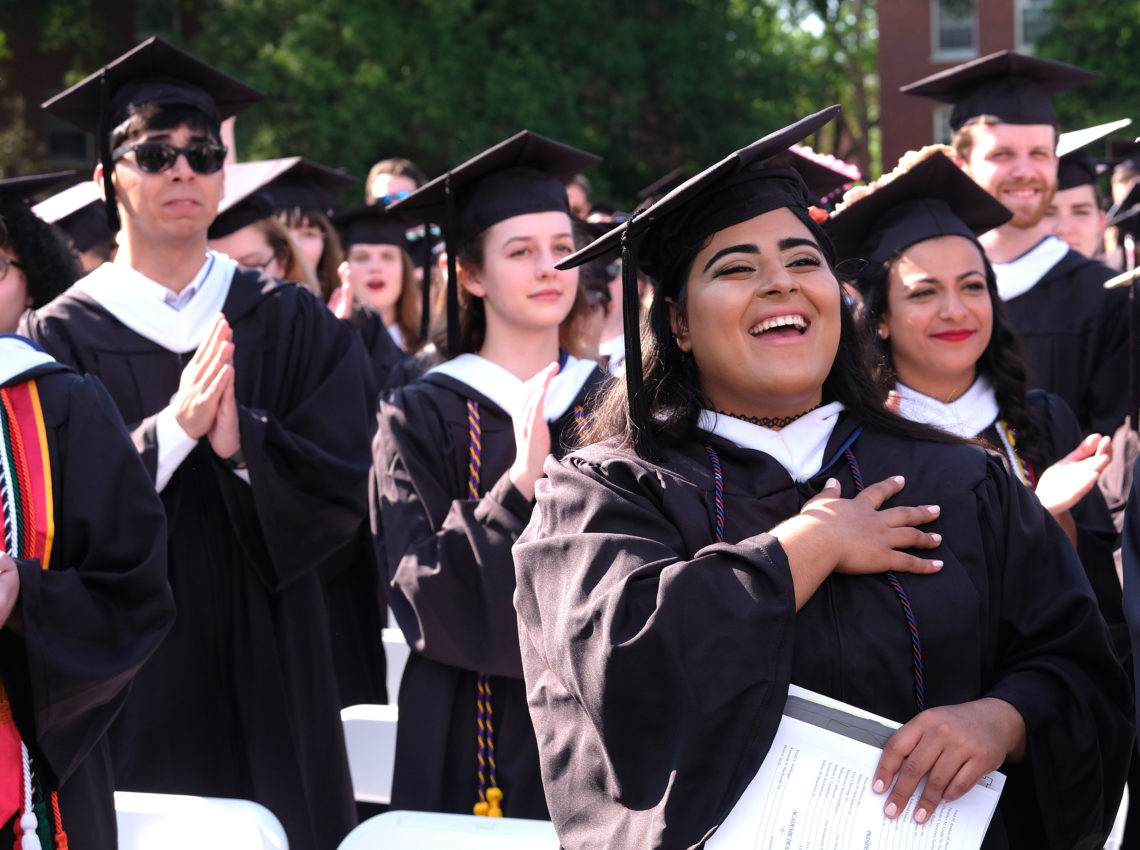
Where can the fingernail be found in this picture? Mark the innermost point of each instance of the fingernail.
(921, 815)
(879, 787)
(937, 538)
(891, 810)
(898, 479)
(934, 509)
(936, 564)
(831, 482)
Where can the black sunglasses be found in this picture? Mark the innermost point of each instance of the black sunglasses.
(156, 157)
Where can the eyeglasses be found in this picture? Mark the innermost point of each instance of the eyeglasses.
(384, 200)
(6, 263)
(156, 157)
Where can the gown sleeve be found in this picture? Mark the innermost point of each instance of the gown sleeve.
(307, 453)
(656, 675)
(94, 617)
(448, 560)
(1054, 663)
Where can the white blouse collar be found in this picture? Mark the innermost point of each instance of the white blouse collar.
(799, 447)
(505, 390)
(967, 416)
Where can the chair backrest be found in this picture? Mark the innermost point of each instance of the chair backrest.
(178, 822)
(396, 651)
(370, 739)
(432, 831)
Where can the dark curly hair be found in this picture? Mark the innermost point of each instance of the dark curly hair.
(1002, 361)
(672, 381)
(48, 263)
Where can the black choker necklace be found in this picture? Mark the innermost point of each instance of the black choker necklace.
(773, 422)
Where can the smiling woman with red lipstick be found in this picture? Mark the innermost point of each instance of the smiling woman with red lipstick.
(753, 516)
(931, 308)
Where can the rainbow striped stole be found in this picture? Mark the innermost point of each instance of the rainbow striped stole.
(26, 509)
(27, 524)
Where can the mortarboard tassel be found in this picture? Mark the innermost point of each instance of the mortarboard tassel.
(631, 319)
(452, 273)
(104, 142)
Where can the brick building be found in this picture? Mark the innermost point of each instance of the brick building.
(921, 37)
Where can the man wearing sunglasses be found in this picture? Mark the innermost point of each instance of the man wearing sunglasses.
(246, 400)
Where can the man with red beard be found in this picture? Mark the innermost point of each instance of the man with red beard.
(1005, 137)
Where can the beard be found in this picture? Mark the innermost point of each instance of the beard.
(1029, 213)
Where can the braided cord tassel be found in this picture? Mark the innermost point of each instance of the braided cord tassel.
(580, 420)
(904, 601)
(718, 483)
(490, 795)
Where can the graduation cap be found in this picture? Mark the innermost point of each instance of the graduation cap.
(661, 187)
(245, 201)
(79, 213)
(932, 197)
(301, 184)
(371, 224)
(1121, 151)
(662, 238)
(825, 176)
(526, 173)
(24, 189)
(1076, 166)
(1012, 87)
(154, 72)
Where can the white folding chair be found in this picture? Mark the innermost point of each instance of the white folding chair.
(178, 822)
(370, 738)
(431, 831)
(396, 651)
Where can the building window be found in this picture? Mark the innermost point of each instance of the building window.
(942, 132)
(1033, 21)
(954, 30)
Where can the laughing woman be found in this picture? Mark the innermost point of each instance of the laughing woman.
(457, 455)
(950, 356)
(720, 544)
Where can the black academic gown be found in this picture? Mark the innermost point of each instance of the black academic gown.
(241, 699)
(93, 618)
(1074, 333)
(1096, 534)
(657, 661)
(451, 586)
(390, 365)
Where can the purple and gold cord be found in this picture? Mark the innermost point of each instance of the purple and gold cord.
(490, 796)
(892, 579)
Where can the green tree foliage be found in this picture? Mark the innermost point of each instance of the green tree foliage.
(648, 84)
(1100, 35)
(842, 60)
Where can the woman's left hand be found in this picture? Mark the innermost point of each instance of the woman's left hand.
(953, 746)
(1067, 481)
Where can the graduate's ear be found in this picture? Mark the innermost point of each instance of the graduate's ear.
(680, 326)
(884, 329)
(471, 279)
(98, 178)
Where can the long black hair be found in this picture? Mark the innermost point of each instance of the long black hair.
(1002, 361)
(48, 263)
(672, 381)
